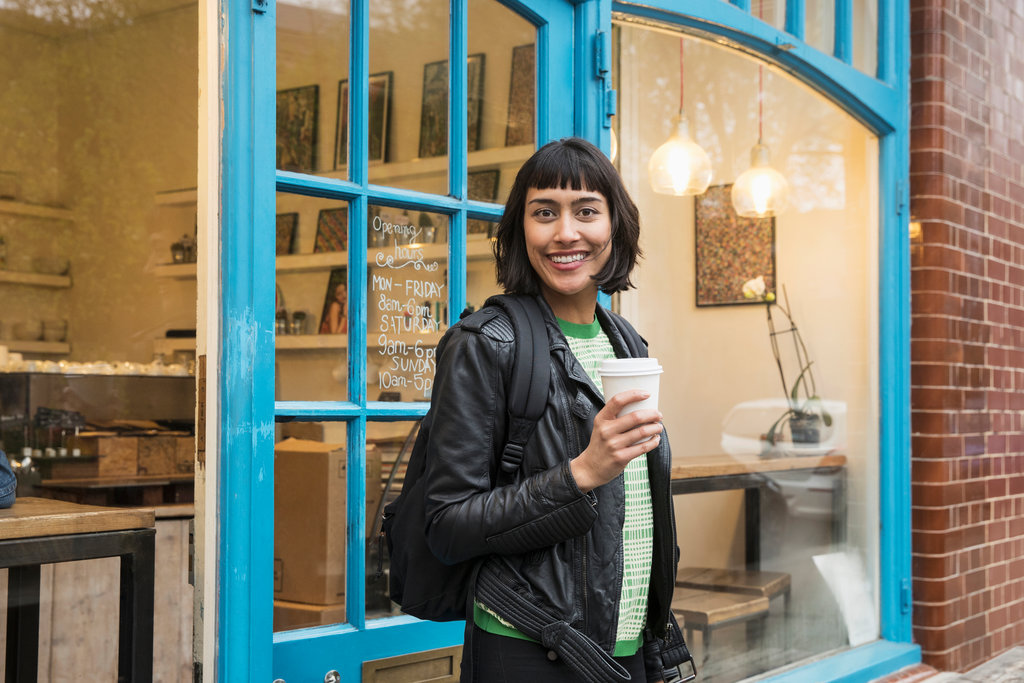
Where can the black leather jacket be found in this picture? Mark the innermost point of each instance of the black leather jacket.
(541, 530)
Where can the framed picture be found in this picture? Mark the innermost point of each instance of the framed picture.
(730, 250)
(434, 109)
(379, 121)
(334, 317)
(483, 187)
(331, 230)
(286, 230)
(297, 111)
(519, 130)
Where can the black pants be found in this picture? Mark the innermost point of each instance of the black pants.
(501, 659)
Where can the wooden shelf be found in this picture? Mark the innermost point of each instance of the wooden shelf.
(180, 271)
(35, 210)
(40, 347)
(298, 263)
(435, 166)
(34, 279)
(184, 197)
(305, 342)
(477, 249)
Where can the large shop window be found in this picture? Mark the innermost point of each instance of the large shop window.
(767, 330)
(406, 281)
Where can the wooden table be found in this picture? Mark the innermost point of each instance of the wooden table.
(37, 531)
(148, 490)
(752, 474)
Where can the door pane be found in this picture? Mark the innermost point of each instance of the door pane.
(310, 513)
(311, 325)
(408, 58)
(388, 447)
(727, 409)
(312, 75)
(407, 301)
(501, 93)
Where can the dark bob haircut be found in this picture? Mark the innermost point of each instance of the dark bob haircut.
(577, 164)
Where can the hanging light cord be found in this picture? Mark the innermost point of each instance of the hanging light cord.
(680, 76)
(760, 84)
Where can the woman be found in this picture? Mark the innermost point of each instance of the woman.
(334, 320)
(593, 487)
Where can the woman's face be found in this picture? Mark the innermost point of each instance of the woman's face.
(568, 239)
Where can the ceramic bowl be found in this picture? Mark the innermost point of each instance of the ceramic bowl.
(28, 330)
(55, 330)
(50, 265)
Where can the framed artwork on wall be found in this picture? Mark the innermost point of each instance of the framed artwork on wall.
(379, 119)
(521, 102)
(334, 317)
(730, 250)
(297, 112)
(434, 108)
(286, 232)
(482, 187)
(331, 230)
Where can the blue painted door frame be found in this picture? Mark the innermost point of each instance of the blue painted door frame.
(246, 648)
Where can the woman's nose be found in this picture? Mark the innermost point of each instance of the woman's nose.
(566, 230)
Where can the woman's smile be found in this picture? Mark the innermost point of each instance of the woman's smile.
(568, 238)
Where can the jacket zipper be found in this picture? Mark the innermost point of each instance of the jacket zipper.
(574, 437)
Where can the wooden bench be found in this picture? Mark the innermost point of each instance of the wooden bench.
(707, 611)
(37, 531)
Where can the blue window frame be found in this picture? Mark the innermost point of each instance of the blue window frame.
(247, 650)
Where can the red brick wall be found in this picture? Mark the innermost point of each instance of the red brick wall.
(967, 330)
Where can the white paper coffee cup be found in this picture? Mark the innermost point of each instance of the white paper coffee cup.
(623, 374)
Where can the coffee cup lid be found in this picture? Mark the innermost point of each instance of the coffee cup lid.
(630, 366)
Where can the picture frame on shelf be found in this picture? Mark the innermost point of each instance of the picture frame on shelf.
(287, 229)
(521, 96)
(334, 316)
(482, 187)
(434, 106)
(379, 119)
(331, 230)
(730, 250)
(297, 117)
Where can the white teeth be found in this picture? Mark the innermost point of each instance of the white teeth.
(568, 259)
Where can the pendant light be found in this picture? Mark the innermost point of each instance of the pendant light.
(760, 191)
(680, 166)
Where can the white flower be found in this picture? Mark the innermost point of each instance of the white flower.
(754, 289)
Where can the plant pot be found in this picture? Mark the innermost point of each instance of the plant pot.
(805, 428)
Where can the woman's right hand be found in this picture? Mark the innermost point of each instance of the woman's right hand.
(613, 441)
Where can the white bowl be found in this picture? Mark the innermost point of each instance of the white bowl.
(27, 330)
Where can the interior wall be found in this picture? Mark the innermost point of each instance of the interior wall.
(99, 121)
(718, 357)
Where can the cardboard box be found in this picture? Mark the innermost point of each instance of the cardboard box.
(158, 455)
(293, 615)
(116, 456)
(310, 502)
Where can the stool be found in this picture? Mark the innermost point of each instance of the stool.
(765, 584)
(36, 531)
(707, 611)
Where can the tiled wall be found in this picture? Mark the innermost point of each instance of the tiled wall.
(967, 334)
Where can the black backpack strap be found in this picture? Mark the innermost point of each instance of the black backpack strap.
(531, 374)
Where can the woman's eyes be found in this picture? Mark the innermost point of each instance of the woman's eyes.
(585, 212)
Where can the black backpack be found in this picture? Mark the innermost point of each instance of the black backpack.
(420, 583)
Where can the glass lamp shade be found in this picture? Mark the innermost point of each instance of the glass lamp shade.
(680, 166)
(614, 147)
(760, 191)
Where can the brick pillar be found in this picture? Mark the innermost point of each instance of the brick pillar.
(967, 330)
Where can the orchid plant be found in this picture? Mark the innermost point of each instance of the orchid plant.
(806, 409)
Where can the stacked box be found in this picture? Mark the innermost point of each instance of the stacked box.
(310, 502)
(111, 456)
(293, 615)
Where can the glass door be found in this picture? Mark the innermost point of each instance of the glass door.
(398, 130)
